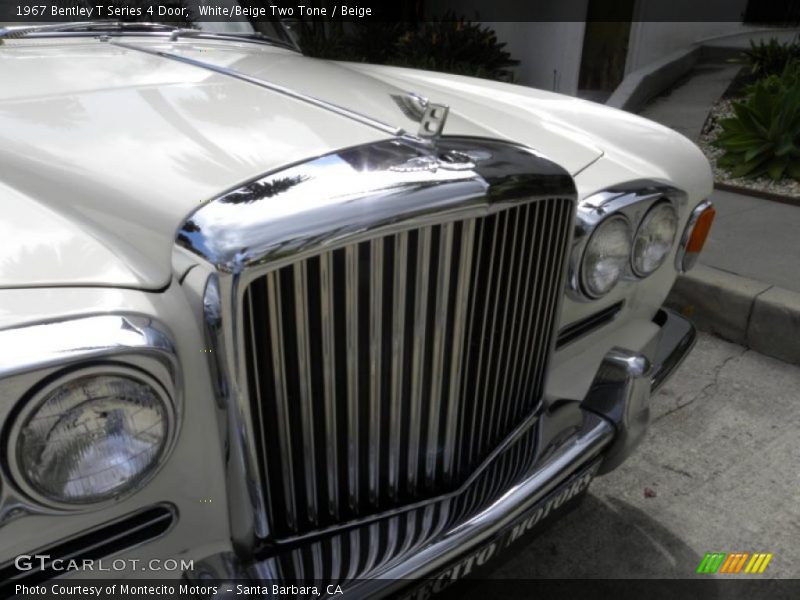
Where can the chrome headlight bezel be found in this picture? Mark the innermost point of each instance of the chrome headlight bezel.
(646, 220)
(631, 201)
(38, 398)
(598, 230)
(32, 356)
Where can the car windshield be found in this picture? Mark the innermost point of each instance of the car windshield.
(251, 18)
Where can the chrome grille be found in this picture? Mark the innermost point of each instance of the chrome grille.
(385, 372)
(356, 553)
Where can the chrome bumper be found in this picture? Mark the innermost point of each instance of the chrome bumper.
(615, 415)
(626, 381)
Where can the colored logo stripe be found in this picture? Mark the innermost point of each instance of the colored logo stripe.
(734, 562)
(711, 562)
(758, 563)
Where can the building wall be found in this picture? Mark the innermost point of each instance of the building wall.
(549, 52)
(549, 49)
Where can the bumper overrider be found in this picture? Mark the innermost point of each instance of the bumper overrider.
(615, 416)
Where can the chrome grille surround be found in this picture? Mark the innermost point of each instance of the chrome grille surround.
(361, 209)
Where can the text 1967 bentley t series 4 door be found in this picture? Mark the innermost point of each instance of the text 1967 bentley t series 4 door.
(280, 319)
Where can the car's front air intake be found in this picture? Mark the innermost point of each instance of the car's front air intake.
(383, 373)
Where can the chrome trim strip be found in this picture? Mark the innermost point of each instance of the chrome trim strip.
(457, 362)
(523, 427)
(32, 352)
(170, 513)
(376, 312)
(440, 310)
(398, 378)
(260, 403)
(281, 395)
(300, 272)
(345, 197)
(495, 421)
(681, 263)
(595, 434)
(274, 87)
(353, 457)
(418, 357)
(64, 343)
(480, 382)
(461, 458)
(420, 556)
(328, 375)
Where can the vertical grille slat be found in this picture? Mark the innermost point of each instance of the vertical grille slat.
(484, 335)
(418, 365)
(375, 339)
(398, 348)
(442, 275)
(384, 372)
(488, 408)
(454, 405)
(351, 317)
(281, 396)
(304, 381)
(329, 363)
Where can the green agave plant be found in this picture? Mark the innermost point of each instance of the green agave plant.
(764, 136)
(769, 58)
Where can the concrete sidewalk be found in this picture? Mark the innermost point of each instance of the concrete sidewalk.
(747, 285)
(755, 238)
(720, 459)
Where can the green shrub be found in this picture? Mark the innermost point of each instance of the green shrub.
(778, 84)
(449, 45)
(452, 46)
(770, 58)
(764, 136)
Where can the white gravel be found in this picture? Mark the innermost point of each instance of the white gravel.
(711, 129)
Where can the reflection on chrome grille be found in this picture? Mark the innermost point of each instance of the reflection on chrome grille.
(384, 372)
(355, 553)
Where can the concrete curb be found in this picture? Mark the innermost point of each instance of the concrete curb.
(764, 195)
(761, 316)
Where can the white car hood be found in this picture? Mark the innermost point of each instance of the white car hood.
(104, 150)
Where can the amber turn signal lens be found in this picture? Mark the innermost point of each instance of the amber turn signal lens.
(700, 232)
(695, 237)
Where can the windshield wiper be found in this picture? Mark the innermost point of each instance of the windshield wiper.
(8, 33)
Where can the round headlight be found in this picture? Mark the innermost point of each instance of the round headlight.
(93, 436)
(654, 239)
(606, 255)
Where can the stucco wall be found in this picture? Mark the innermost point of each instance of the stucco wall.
(550, 53)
